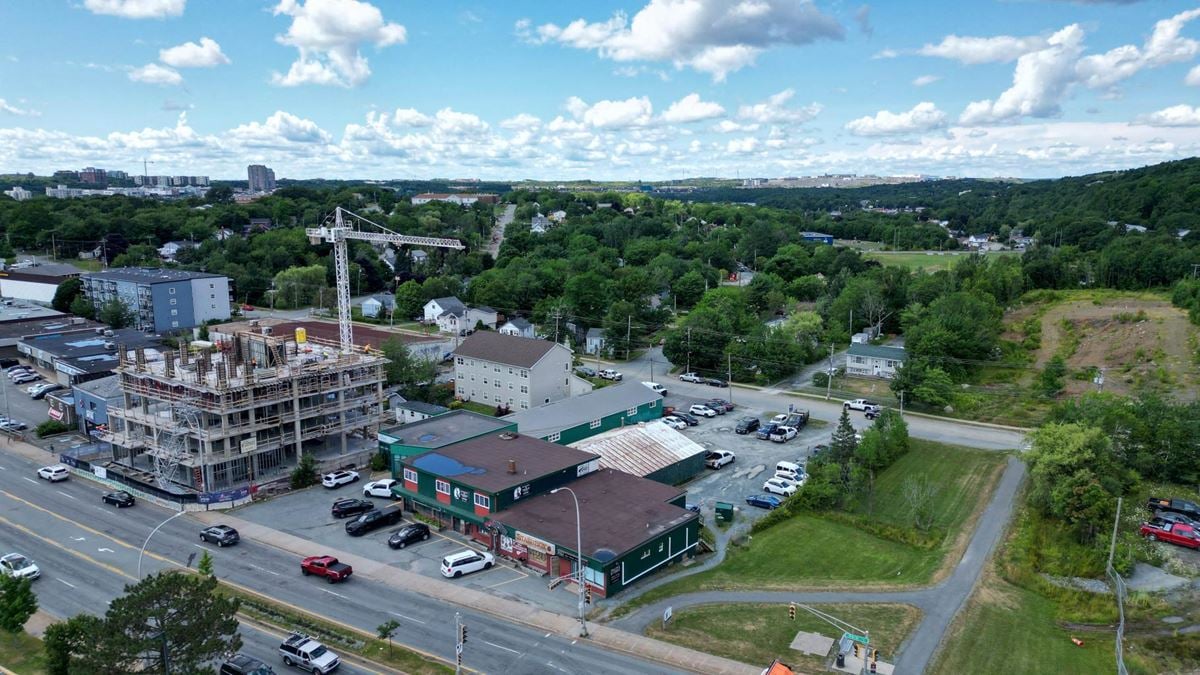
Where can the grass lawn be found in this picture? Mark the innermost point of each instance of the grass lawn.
(759, 634)
(473, 406)
(22, 653)
(937, 260)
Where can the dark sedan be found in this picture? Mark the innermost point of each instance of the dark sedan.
(373, 520)
(690, 419)
(715, 382)
(746, 425)
(344, 508)
(409, 534)
(221, 535)
(119, 499)
(768, 502)
(720, 404)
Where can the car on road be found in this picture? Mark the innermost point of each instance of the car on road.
(674, 422)
(702, 410)
(373, 520)
(247, 308)
(610, 374)
(39, 391)
(119, 499)
(326, 566)
(768, 502)
(26, 377)
(409, 534)
(221, 535)
(691, 377)
(715, 382)
(13, 425)
(241, 664)
(1172, 533)
(308, 654)
(344, 508)
(336, 479)
(17, 565)
(656, 388)
(720, 404)
(780, 486)
(746, 425)
(860, 404)
(764, 432)
(715, 459)
(872, 413)
(466, 562)
(380, 488)
(783, 434)
(54, 473)
(585, 371)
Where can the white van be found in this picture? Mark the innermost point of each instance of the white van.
(789, 470)
(656, 388)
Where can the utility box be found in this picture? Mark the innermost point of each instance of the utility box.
(724, 512)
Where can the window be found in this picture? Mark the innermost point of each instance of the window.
(566, 381)
(460, 360)
(524, 389)
(171, 291)
(632, 411)
(410, 475)
(524, 405)
(174, 324)
(510, 386)
(525, 374)
(497, 369)
(653, 404)
(547, 399)
(483, 501)
(510, 371)
(441, 486)
(595, 424)
(891, 363)
(174, 312)
(858, 359)
(497, 384)
(485, 381)
(553, 438)
(211, 286)
(567, 367)
(173, 301)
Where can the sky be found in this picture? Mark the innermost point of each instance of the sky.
(604, 89)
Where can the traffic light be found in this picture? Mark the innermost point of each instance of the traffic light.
(792, 611)
(587, 595)
(462, 638)
(857, 650)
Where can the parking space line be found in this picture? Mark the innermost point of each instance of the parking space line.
(409, 618)
(501, 647)
(509, 581)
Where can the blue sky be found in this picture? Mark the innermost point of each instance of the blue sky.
(649, 89)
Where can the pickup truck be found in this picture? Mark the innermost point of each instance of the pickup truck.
(691, 377)
(302, 651)
(1181, 506)
(326, 566)
(609, 374)
(861, 404)
(1172, 533)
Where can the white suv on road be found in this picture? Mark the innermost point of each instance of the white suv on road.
(17, 565)
(54, 473)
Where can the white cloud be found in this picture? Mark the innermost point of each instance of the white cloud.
(925, 80)
(1174, 116)
(923, 117)
(632, 112)
(206, 54)
(410, 117)
(11, 109)
(976, 50)
(456, 123)
(521, 121)
(280, 129)
(1193, 77)
(741, 146)
(716, 37)
(729, 127)
(1164, 46)
(136, 9)
(328, 34)
(885, 54)
(774, 110)
(1040, 82)
(153, 73)
(691, 109)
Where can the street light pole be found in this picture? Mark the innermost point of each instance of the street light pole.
(147, 542)
(578, 556)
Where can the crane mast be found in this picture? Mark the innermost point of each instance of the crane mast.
(343, 225)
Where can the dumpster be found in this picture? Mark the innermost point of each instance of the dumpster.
(724, 512)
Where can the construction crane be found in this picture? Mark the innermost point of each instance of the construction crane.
(342, 225)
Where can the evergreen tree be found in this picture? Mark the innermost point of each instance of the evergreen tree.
(17, 602)
(843, 443)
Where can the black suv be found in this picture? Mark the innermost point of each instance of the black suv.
(746, 425)
(765, 431)
(344, 508)
(240, 664)
(373, 520)
(221, 535)
(409, 534)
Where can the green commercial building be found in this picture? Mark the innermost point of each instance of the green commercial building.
(446, 429)
(578, 417)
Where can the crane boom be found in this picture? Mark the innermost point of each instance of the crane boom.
(342, 225)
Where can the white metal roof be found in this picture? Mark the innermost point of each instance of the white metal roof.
(640, 449)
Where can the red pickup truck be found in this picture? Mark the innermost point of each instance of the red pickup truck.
(1179, 534)
(326, 566)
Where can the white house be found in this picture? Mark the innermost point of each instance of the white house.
(594, 342)
(378, 305)
(169, 250)
(866, 360)
(439, 306)
(19, 193)
(518, 327)
(539, 224)
(452, 316)
(558, 216)
(515, 372)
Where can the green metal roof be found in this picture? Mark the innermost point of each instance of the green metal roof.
(878, 351)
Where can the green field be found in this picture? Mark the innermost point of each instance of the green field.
(931, 261)
(759, 633)
(22, 653)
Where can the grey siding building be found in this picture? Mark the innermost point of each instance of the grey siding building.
(161, 299)
(867, 360)
(516, 372)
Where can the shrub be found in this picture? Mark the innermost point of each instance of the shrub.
(379, 462)
(50, 428)
(305, 473)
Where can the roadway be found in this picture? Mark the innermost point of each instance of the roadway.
(88, 551)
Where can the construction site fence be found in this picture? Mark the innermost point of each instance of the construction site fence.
(191, 501)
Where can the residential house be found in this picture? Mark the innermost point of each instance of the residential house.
(414, 411)
(518, 327)
(169, 250)
(381, 305)
(866, 360)
(594, 342)
(515, 372)
(452, 316)
(571, 419)
(558, 216)
(539, 224)
(223, 234)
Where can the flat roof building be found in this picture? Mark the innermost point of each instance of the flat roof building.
(436, 432)
(571, 419)
(161, 300)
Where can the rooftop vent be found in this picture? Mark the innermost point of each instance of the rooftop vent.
(507, 435)
(512, 466)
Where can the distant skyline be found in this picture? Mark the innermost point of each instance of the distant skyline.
(607, 90)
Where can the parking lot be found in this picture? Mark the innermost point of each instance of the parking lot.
(16, 404)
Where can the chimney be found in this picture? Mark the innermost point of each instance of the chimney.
(512, 466)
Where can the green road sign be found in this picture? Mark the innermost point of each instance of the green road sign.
(861, 639)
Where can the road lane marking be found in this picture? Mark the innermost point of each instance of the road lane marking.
(78, 538)
(335, 593)
(30, 480)
(501, 647)
(262, 569)
(79, 524)
(106, 550)
(115, 570)
(66, 582)
(66, 495)
(409, 618)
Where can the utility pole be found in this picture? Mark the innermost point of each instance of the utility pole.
(689, 356)
(460, 638)
(902, 403)
(829, 373)
(557, 314)
(851, 322)
(628, 332)
(729, 374)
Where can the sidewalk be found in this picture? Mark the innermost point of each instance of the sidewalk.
(509, 610)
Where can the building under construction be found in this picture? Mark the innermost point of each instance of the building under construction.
(244, 410)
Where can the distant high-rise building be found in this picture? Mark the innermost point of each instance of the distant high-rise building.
(118, 175)
(92, 175)
(262, 179)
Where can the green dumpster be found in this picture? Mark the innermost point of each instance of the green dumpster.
(724, 512)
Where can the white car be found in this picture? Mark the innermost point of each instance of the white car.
(783, 434)
(380, 488)
(674, 422)
(715, 459)
(54, 473)
(17, 565)
(339, 478)
(702, 410)
(27, 377)
(780, 418)
(609, 374)
(860, 404)
(465, 562)
(780, 486)
(691, 377)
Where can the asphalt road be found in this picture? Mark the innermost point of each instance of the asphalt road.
(88, 551)
(502, 222)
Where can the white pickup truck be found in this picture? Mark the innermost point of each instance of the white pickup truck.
(862, 404)
(609, 374)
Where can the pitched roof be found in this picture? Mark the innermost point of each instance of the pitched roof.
(519, 323)
(422, 407)
(511, 350)
(640, 449)
(483, 462)
(568, 412)
(450, 304)
(878, 351)
(595, 332)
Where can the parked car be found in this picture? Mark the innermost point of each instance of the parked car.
(13, 371)
(691, 377)
(344, 508)
(768, 502)
(674, 422)
(247, 308)
(1181, 506)
(17, 565)
(326, 566)
(119, 499)
(691, 419)
(702, 410)
(860, 404)
(39, 392)
(585, 371)
(765, 431)
(783, 434)
(409, 534)
(9, 363)
(715, 382)
(241, 664)
(610, 374)
(466, 562)
(221, 535)
(380, 488)
(1177, 518)
(26, 377)
(720, 404)
(791, 471)
(694, 508)
(715, 459)
(746, 425)
(656, 388)
(339, 478)
(53, 473)
(1172, 533)
(308, 654)
(780, 486)
(373, 520)
(13, 425)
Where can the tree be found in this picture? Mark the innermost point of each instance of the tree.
(205, 565)
(410, 373)
(17, 602)
(305, 473)
(688, 288)
(66, 293)
(75, 637)
(1075, 477)
(387, 630)
(219, 194)
(842, 444)
(936, 388)
(115, 313)
(410, 299)
(82, 307)
(1051, 379)
(300, 286)
(920, 493)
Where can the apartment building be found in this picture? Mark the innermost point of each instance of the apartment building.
(261, 178)
(161, 299)
(514, 372)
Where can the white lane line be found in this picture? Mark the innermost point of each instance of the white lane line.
(30, 480)
(3, 468)
(546, 636)
(501, 647)
(262, 569)
(335, 593)
(106, 550)
(66, 495)
(199, 546)
(66, 582)
(78, 538)
(409, 618)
